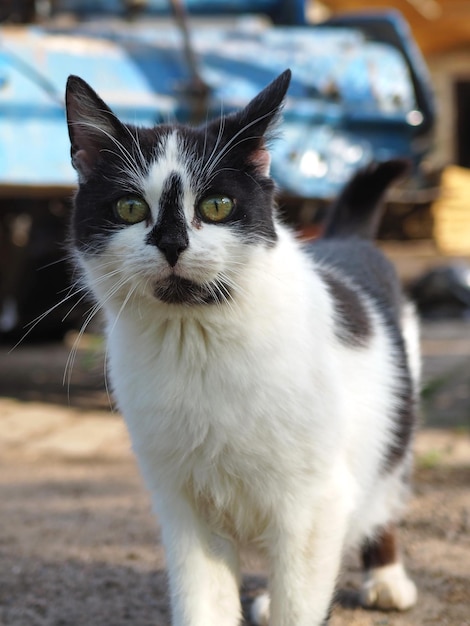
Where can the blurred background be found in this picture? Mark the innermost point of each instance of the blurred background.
(371, 81)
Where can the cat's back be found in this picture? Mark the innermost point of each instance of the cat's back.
(359, 264)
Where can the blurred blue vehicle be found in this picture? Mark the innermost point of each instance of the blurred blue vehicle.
(360, 92)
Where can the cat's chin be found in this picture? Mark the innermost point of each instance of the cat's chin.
(177, 290)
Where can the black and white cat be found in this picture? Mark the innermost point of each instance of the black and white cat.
(268, 387)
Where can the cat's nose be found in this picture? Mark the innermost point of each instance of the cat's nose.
(172, 247)
(172, 250)
(170, 236)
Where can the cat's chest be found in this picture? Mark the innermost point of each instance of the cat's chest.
(229, 415)
(192, 394)
(188, 373)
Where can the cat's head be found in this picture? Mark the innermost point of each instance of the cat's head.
(172, 211)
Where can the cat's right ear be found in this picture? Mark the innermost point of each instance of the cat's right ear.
(250, 127)
(91, 123)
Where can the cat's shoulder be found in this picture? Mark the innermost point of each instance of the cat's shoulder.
(354, 257)
(356, 267)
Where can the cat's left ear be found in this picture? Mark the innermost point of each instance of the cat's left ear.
(250, 126)
(91, 123)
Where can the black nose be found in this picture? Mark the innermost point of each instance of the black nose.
(171, 241)
(172, 249)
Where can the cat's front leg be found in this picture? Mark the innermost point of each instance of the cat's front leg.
(202, 567)
(305, 556)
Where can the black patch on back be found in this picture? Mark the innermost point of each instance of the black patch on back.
(353, 327)
(375, 276)
(359, 260)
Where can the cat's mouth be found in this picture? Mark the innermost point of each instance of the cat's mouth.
(177, 290)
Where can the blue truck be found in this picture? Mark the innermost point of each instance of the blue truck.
(360, 92)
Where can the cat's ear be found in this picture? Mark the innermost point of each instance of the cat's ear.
(263, 110)
(249, 127)
(91, 123)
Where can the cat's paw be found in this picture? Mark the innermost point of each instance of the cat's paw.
(388, 588)
(259, 613)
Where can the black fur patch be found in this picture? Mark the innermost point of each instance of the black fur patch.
(381, 550)
(235, 176)
(405, 417)
(375, 276)
(358, 209)
(170, 234)
(353, 325)
(94, 219)
(177, 290)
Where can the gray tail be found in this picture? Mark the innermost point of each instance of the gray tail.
(358, 209)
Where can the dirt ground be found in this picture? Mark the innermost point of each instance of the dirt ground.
(79, 545)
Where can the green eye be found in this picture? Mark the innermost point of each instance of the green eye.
(215, 208)
(132, 209)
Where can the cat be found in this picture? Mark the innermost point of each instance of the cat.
(268, 386)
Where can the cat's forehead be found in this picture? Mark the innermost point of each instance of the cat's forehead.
(172, 161)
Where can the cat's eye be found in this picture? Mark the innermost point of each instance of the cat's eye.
(132, 209)
(215, 208)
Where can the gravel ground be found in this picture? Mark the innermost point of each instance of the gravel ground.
(79, 545)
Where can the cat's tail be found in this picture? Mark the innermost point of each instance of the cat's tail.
(358, 209)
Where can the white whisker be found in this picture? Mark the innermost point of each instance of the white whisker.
(110, 331)
(32, 325)
(89, 316)
(214, 149)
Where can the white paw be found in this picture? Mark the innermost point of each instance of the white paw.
(388, 588)
(259, 613)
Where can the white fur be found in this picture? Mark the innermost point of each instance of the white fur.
(411, 335)
(250, 420)
(388, 588)
(259, 613)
